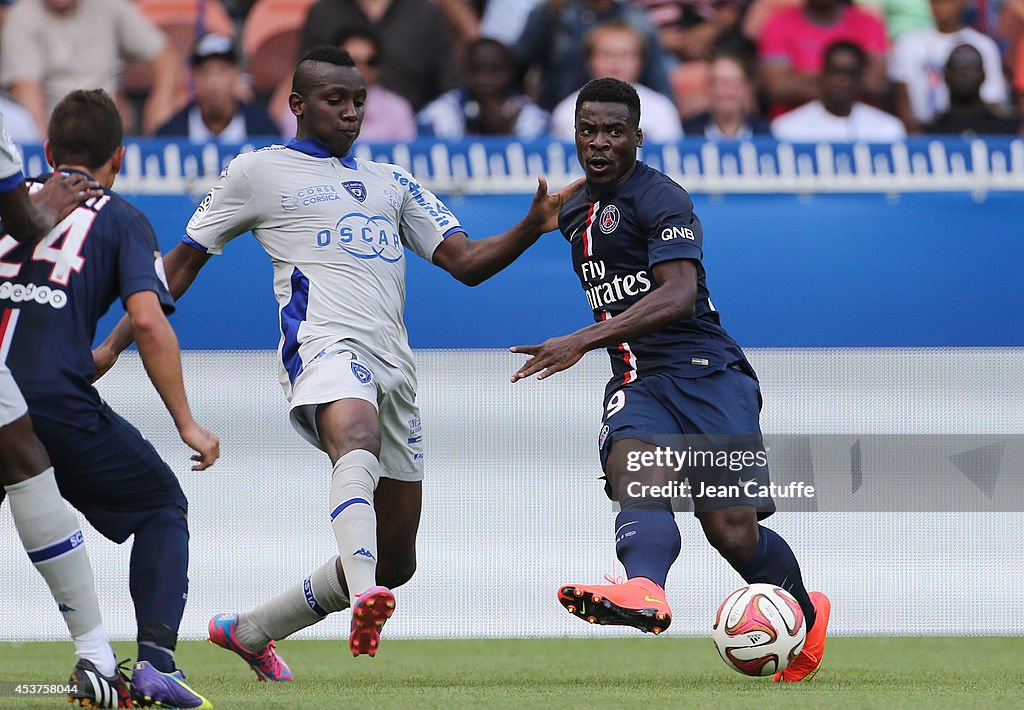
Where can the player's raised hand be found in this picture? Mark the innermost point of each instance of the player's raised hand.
(551, 356)
(206, 444)
(103, 358)
(545, 207)
(64, 192)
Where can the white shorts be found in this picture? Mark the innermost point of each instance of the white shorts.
(343, 373)
(12, 404)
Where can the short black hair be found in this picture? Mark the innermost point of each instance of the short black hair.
(85, 129)
(325, 54)
(611, 91)
(846, 46)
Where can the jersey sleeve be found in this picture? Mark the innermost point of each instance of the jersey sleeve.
(425, 221)
(140, 266)
(673, 230)
(230, 208)
(10, 161)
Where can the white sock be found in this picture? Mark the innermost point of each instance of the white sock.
(353, 518)
(94, 646)
(52, 537)
(303, 605)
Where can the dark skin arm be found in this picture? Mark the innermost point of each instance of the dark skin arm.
(28, 218)
(473, 261)
(182, 265)
(672, 301)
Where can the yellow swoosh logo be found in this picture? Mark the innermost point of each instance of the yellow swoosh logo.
(649, 598)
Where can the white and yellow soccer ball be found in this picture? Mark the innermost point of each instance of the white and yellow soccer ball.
(759, 629)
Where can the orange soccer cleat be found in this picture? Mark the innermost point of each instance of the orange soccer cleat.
(808, 662)
(637, 602)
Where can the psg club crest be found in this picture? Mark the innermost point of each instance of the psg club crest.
(358, 189)
(609, 219)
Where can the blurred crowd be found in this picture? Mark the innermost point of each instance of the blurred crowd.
(799, 70)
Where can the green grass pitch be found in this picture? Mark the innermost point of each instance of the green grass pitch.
(647, 672)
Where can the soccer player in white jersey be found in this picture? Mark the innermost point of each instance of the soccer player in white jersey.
(48, 529)
(336, 230)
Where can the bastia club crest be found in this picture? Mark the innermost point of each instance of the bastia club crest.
(356, 189)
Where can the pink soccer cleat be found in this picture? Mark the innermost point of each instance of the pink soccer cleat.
(369, 612)
(266, 664)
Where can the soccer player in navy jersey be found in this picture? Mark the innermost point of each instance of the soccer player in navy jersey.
(58, 290)
(46, 526)
(637, 248)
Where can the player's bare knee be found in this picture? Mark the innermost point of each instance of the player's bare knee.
(22, 456)
(395, 575)
(733, 534)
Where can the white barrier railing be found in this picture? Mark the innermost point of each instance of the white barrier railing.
(978, 166)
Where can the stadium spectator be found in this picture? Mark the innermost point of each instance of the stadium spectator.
(968, 113)
(839, 115)
(417, 61)
(103, 465)
(689, 30)
(793, 44)
(615, 49)
(346, 364)
(504, 20)
(387, 116)
(553, 42)
(216, 114)
(900, 15)
(50, 47)
(487, 104)
(733, 114)
(919, 58)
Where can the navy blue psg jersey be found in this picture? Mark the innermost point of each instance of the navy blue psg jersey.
(616, 241)
(53, 293)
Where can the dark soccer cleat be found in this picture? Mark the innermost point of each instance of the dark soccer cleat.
(369, 612)
(153, 688)
(92, 689)
(638, 602)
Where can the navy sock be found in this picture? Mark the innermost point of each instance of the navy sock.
(647, 542)
(158, 580)
(773, 562)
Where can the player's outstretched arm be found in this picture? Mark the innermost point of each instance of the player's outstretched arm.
(473, 261)
(28, 218)
(182, 265)
(158, 346)
(671, 301)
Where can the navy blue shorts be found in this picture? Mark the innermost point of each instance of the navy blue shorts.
(714, 420)
(113, 476)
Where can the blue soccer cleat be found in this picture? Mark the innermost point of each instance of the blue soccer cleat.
(266, 664)
(152, 688)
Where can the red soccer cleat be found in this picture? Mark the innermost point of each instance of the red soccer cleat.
(638, 602)
(808, 662)
(369, 612)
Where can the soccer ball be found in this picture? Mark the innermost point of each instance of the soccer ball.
(759, 629)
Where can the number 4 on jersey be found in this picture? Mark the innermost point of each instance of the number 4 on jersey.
(66, 258)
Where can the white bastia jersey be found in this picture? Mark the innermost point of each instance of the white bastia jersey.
(10, 161)
(334, 229)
